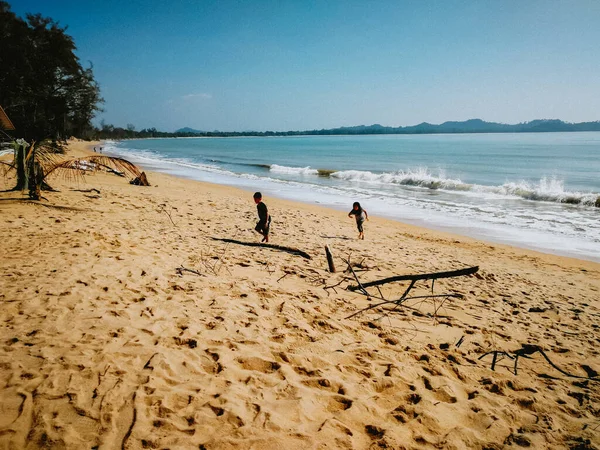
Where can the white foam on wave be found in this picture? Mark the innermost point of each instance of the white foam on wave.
(275, 168)
(548, 189)
(420, 177)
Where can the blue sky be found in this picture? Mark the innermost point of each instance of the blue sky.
(297, 65)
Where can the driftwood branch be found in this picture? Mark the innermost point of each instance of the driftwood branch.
(329, 259)
(417, 277)
(291, 250)
(413, 279)
(525, 351)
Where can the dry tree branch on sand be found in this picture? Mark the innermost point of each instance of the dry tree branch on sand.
(526, 351)
(361, 287)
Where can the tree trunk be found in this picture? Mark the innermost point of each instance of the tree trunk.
(34, 176)
(20, 156)
(30, 173)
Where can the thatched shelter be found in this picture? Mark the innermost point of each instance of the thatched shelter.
(5, 123)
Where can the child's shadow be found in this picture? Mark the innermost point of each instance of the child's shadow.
(336, 237)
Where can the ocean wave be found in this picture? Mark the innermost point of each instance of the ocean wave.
(275, 168)
(549, 190)
(421, 177)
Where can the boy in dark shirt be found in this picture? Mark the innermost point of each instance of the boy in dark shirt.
(264, 221)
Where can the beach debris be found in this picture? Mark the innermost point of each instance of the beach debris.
(214, 263)
(182, 269)
(291, 250)
(162, 208)
(97, 191)
(417, 277)
(140, 180)
(329, 259)
(526, 351)
(362, 288)
(133, 420)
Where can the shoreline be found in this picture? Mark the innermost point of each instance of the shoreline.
(525, 239)
(111, 340)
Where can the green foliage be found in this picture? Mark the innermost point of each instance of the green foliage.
(44, 89)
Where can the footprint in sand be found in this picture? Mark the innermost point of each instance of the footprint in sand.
(258, 364)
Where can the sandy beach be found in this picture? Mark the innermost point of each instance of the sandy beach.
(127, 323)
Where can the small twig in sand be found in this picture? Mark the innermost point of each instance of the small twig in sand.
(147, 365)
(132, 422)
(283, 276)
(360, 286)
(161, 208)
(97, 191)
(333, 286)
(182, 269)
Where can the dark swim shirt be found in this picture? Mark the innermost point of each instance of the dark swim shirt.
(262, 211)
(359, 214)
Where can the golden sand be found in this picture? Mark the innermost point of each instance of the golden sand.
(105, 344)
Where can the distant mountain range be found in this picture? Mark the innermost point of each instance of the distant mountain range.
(468, 126)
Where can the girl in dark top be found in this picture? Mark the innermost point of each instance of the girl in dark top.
(264, 222)
(360, 215)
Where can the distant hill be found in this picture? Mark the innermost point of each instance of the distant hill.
(467, 126)
(470, 126)
(188, 130)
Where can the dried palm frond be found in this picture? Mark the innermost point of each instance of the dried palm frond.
(76, 168)
(44, 153)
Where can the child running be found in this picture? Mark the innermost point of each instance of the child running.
(360, 215)
(264, 222)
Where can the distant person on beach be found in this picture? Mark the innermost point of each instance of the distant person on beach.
(264, 222)
(360, 215)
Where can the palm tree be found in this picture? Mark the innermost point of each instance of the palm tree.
(35, 164)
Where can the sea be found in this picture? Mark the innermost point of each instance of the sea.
(532, 190)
